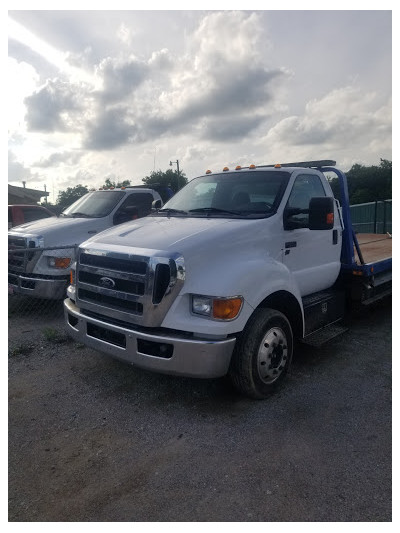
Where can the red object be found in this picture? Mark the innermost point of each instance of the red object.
(19, 214)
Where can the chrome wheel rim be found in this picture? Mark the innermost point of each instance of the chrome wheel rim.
(272, 356)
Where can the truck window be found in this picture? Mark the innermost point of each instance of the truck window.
(247, 194)
(142, 201)
(94, 204)
(305, 187)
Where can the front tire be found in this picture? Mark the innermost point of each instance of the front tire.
(262, 355)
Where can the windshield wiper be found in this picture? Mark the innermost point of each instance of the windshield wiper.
(214, 210)
(171, 211)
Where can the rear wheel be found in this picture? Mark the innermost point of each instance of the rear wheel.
(263, 354)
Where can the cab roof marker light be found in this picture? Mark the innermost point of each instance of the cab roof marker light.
(208, 171)
(238, 167)
(278, 165)
(252, 166)
(225, 169)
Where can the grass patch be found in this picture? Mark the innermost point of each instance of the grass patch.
(24, 348)
(55, 336)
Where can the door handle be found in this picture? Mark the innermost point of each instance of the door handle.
(291, 244)
(335, 236)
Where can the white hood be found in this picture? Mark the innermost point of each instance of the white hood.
(181, 234)
(61, 231)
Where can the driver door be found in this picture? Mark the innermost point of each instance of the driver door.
(313, 256)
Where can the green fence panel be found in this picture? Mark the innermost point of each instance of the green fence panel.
(372, 217)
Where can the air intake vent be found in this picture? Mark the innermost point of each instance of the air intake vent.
(113, 263)
(161, 282)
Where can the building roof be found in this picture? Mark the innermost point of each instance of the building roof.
(23, 195)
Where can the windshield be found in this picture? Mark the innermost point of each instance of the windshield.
(251, 194)
(94, 204)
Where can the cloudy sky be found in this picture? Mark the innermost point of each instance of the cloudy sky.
(117, 94)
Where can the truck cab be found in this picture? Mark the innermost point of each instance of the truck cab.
(41, 252)
(223, 279)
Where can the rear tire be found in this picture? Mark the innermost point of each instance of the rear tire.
(262, 355)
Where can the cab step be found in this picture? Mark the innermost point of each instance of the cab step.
(320, 337)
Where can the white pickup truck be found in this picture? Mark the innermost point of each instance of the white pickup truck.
(226, 276)
(40, 253)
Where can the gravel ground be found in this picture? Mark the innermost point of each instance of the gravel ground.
(93, 439)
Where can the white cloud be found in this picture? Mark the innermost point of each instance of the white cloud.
(22, 79)
(125, 91)
(345, 120)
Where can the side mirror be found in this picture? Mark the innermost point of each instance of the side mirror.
(321, 213)
(290, 223)
(156, 204)
(128, 213)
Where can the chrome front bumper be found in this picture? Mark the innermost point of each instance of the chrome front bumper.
(49, 289)
(168, 354)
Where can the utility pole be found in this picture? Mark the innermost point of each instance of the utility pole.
(177, 172)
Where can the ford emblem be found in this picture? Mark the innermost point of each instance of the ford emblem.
(107, 283)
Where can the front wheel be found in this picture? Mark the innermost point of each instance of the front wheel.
(263, 354)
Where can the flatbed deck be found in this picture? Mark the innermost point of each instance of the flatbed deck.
(374, 247)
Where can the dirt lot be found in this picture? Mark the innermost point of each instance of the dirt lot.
(93, 439)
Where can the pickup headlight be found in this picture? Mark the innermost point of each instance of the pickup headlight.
(59, 262)
(217, 308)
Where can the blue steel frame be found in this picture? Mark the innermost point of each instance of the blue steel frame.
(349, 239)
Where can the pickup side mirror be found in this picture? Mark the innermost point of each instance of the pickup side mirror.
(290, 223)
(155, 204)
(126, 214)
(321, 213)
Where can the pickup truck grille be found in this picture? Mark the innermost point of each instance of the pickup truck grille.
(136, 288)
(19, 254)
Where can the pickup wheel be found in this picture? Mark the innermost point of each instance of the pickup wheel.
(263, 354)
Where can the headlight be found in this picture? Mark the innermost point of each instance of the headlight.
(217, 308)
(59, 262)
(202, 305)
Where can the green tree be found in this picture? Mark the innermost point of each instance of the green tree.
(70, 195)
(108, 183)
(367, 184)
(159, 180)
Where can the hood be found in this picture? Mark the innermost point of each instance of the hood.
(61, 231)
(180, 234)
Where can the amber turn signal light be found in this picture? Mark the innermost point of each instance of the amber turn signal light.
(226, 309)
(329, 218)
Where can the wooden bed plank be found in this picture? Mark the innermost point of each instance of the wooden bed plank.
(374, 247)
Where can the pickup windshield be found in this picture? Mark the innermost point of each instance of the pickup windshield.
(94, 204)
(245, 194)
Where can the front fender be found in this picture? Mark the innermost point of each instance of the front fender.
(254, 280)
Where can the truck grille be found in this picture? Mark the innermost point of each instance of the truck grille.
(19, 254)
(136, 288)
